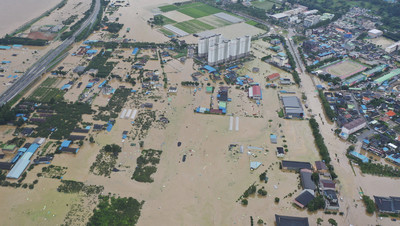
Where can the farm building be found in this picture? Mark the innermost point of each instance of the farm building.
(306, 181)
(280, 153)
(6, 165)
(255, 92)
(327, 184)
(388, 204)
(331, 200)
(273, 77)
(292, 107)
(305, 197)
(289, 221)
(273, 138)
(23, 162)
(321, 167)
(295, 165)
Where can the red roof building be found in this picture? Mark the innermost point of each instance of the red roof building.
(273, 77)
(390, 113)
(255, 92)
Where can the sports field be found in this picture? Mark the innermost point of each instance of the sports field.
(344, 69)
(193, 26)
(265, 4)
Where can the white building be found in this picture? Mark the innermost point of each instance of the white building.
(393, 47)
(352, 127)
(219, 51)
(374, 33)
(311, 20)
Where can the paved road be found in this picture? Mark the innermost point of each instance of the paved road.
(43, 64)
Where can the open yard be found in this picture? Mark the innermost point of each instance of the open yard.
(344, 69)
(193, 26)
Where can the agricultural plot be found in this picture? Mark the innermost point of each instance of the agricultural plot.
(47, 91)
(344, 69)
(199, 10)
(214, 21)
(193, 26)
(168, 8)
(167, 20)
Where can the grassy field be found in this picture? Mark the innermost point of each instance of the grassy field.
(193, 26)
(251, 22)
(265, 4)
(198, 10)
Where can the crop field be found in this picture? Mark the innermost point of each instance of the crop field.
(167, 20)
(168, 8)
(214, 21)
(46, 94)
(199, 10)
(193, 26)
(344, 69)
(46, 91)
(166, 32)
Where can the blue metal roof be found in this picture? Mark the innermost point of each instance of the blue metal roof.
(65, 143)
(210, 69)
(32, 149)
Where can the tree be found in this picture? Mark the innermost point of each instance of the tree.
(315, 177)
(260, 221)
(332, 222)
(319, 221)
(245, 202)
(276, 200)
(369, 204)
(91, 139)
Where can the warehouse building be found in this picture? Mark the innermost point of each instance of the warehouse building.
(292, 107)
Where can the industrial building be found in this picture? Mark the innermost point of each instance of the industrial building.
(218, 50)
(292, 107)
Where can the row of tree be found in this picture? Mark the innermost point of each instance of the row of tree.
(323, 150)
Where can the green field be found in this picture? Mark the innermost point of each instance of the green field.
(266, 5)
(166, 32)
(251, 22)
(198, 10)
(168, 8)
(167, 20)
(45, 92)
(214, 21)
(193, 26)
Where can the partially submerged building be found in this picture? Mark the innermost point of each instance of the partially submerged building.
(290, 221)
(292, 107)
